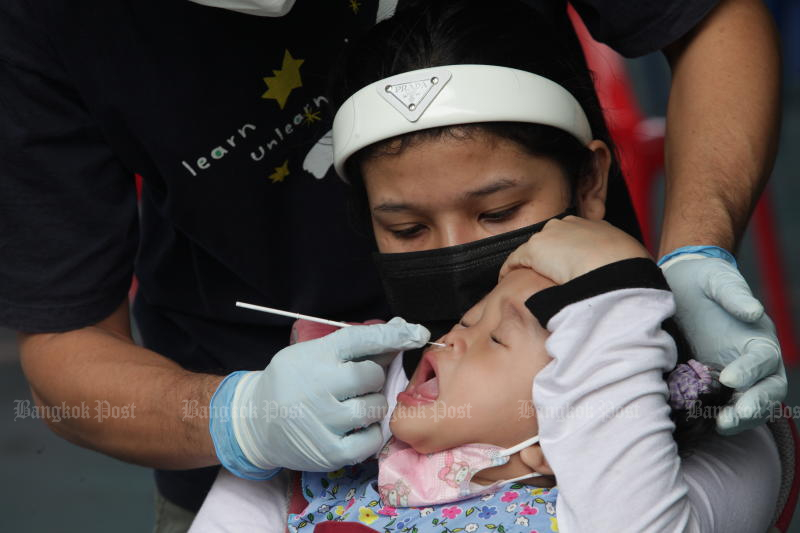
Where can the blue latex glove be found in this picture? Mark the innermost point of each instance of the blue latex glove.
(727, 327)
(300, 411)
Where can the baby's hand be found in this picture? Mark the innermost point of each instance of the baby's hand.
(571, 247)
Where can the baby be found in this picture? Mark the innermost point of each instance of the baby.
(431, 475)
(464, 453)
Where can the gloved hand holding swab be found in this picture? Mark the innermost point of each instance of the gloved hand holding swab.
(291, 314)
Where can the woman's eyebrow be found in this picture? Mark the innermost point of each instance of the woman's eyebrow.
(393, 207)
(491, 188)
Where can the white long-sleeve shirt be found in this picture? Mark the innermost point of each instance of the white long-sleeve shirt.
(604, 420)
(605, 430)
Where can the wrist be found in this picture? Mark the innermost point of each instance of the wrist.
(698, 251)
(195, 395)
(222, 415)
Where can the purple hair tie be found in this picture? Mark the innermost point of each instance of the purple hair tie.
(688, 382)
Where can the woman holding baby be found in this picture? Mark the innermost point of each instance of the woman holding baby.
(460, 151)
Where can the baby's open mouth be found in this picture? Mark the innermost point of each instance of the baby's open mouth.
(424, 385)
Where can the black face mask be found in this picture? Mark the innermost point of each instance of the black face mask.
(436, 287)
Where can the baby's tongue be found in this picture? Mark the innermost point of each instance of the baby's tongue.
(429, 389)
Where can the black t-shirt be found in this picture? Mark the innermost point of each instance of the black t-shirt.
(636, 28)
(225, 117)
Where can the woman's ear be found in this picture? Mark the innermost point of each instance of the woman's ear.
(592, 188)
(533, 458)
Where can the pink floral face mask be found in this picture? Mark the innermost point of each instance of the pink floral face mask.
(407, 478)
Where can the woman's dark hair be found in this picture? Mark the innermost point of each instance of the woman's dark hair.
(696, 423)
(541, 40)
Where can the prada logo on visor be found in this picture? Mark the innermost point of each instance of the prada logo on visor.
(412, 93)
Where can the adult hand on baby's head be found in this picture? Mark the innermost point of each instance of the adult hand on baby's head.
(571, 247)
(535, 282)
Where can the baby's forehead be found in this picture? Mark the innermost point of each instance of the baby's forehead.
(510, 294)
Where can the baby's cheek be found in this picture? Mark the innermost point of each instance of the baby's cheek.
(394, 421)
(401, 425)
(534, 357)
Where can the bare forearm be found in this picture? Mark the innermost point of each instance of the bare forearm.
(722, 125)
(155, 411)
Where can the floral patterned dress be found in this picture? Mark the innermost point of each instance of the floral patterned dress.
(350, 495)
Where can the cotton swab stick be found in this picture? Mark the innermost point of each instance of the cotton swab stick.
(290, 314)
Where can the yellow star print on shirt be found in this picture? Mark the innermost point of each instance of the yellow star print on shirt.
(284, 80)
(280, 172)
(311, 116)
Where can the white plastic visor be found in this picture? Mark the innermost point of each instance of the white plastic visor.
(448, 96)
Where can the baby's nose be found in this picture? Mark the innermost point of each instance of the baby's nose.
(455, 340)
